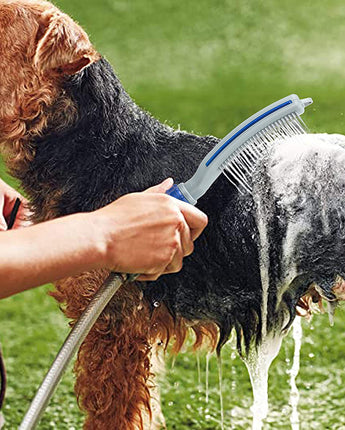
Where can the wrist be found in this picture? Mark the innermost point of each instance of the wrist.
(101, 230)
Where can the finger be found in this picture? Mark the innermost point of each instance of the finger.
(10, 196)
(3, 224)
(195, 218)
(152, 277)
(176, 262)
(162, 187)
(186, 238)
(9, 203)
(23, 218)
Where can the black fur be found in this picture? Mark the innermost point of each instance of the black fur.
(115, 148)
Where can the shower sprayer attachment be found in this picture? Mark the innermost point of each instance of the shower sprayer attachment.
(237, 154)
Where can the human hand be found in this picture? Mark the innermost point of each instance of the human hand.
(8, 197)
(150, 232)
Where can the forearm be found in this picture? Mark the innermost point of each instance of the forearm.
(147, 233)
(49, 251)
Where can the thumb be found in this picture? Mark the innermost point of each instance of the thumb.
(162, 187)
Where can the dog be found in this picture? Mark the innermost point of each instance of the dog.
(76, 141)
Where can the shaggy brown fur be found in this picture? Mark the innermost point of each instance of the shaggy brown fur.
(114, 375)
(39, 45)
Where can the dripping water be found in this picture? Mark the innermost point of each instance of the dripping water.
(286, 174)
(331, 306)
(199, 370)
(220, 381)
(233, 372)
(294, 393)
(207, 376)
(173, 361)
(258, 362)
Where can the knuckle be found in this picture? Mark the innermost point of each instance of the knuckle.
(180, 223)
(177, 266)
(165, 258)
(190, 248)
(174, 244)
(164, 199)
(151, 271)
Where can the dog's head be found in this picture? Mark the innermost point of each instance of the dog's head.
(39, 45)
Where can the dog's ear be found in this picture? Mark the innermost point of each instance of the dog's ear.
(63, 48)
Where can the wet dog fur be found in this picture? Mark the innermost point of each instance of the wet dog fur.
(76, 141)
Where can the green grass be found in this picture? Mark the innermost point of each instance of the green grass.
(204, 65)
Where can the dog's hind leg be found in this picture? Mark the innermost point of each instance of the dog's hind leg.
(113, 365)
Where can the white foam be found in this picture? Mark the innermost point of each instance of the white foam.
(299, 168)
(264, 264)
(300, 160)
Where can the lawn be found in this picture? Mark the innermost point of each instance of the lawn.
(204, 66)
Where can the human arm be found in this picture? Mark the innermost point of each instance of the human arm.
(147, 233)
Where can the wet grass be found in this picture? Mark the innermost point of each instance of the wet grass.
(204, 65)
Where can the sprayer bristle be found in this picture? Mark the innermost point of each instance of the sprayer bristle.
(240, 166)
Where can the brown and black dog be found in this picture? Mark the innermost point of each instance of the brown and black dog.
(76, 141)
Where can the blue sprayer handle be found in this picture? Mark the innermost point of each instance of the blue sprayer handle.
(182, 193)
(174, 191)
